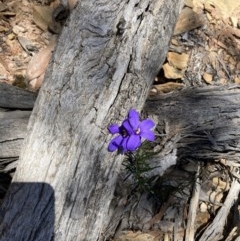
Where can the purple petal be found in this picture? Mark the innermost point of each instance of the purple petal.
(115, 143)
(149, 135)
(133, 113)
(134, 142)
(124, 144)
(133, 117)
(113, 129)
(128, 127)
(146, 124)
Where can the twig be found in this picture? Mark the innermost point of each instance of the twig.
(192, 213)
(214, 231)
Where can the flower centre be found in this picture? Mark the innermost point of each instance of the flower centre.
(123, 132)
(137, 131)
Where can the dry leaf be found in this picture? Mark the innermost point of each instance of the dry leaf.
(172, 73)
(212, 57)
(39, 63)
(187, 21)
(42, 16)
(218, 8)
(178, 61)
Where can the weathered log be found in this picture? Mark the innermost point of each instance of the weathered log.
(13, 129)
(205, 124)
(206, 119)
(188, 117)
(199, 124)
(15, 109)
(104, 64)
(12, 97)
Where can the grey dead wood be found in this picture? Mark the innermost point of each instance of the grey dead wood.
(207, 120)
(193, 207)
(215, 230)
(197, 124)
(206, 117)
(13, 129)
(104, 64)
(15, 109)
(12, 97)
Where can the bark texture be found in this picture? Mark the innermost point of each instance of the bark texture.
(199, 124)
(15, 109)
(15, 98)
(189, 120)
(104, 64)
(204, 121)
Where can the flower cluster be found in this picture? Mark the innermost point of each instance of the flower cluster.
(130, 133)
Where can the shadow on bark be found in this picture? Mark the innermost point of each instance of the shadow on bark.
(37, 213)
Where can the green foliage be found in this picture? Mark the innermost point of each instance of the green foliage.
(138, 165)
(160, 187)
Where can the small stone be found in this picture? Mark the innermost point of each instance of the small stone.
(203, 207)
(17, 29)
(207, 78)
(234, 21)
(11, 36)
(3, 29)
(237, 80)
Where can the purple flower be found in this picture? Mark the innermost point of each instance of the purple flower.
(120, 141)
(131, 132)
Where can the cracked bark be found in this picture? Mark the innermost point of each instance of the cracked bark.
(206, 119)
(65, 177)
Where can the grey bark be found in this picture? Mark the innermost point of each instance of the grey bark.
(204, 120)
(198, 123)
(13, 130)
(12, 97)
(15, 109)
(104, 64)
(189, 119)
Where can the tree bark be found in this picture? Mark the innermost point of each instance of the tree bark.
(104, 64)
